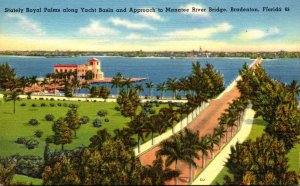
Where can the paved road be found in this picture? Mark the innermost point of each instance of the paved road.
(205, 123)
(214, 168)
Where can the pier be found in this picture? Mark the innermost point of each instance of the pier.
(109, 80)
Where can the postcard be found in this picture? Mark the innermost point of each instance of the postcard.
(173, 92)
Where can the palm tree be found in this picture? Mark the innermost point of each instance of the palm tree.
(192, 146)
(97, 141)
(24, 82)
(172, 86)
(186, 109)
(125, 136)
(219, 133)
(174, 151)
(87, 86)
(183, 85)
(212, 141)
(54, 81)
(137, 126)
(44, 82)
(233, 117)
(139, 88)
(169, 116)
(117, 81)
(295, 88)
(157, 173)
(150, 86)
(150, 128)
(162, 88)
(12, 96)
(127, 83)
(224, 120)
(75, 84)
(155, 124)
(33, 80)
(240, 105)
(203, 148)
(183, 146)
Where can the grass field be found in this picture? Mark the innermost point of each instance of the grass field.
(16, 125)
(256, 131)
(26, 180)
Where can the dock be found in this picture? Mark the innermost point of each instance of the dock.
(109, 80)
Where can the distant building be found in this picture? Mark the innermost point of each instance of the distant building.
(93, 65)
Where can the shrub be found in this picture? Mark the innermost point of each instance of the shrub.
(102, 113)
(84, 120)
(31, 166)
(157, 97)
(65, 104)
(29, 143)
(87, 100)
(47, 99)
(38, 133)
(157, 104)
(152, 111)
(79, 100)
(33, 105)
(43, 105)
(97, 123)
(23, 104)
(33, 122)
(95, 100)
(106, 120)
(52, 105)
(49, 139)
(51, 99)
(178, 97)
(71, 105)
(41, 98)
(29, 96)
(59, 104)
(32, 143)
(146, 97)
(117, 108)
(49, 117)
(21, 140)
(64, 99)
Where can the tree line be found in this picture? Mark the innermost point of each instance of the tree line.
(264, 161)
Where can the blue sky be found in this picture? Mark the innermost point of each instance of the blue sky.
(229, 31)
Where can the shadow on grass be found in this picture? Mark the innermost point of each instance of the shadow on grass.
(11, 113)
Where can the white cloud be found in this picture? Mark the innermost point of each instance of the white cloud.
(128, 24)
(96, 29)
(196, 6)
(134, 36)
(151, 15)
(200, 32)
(253, 34)
(27, 24)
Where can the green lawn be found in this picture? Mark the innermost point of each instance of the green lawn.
(15, 125)
(256, 131)
(26, 180)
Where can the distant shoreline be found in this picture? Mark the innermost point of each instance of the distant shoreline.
(150, 57)
(20, 56)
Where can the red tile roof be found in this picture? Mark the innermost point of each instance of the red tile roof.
(93, 59)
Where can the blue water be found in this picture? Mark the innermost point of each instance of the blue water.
(156, 70)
